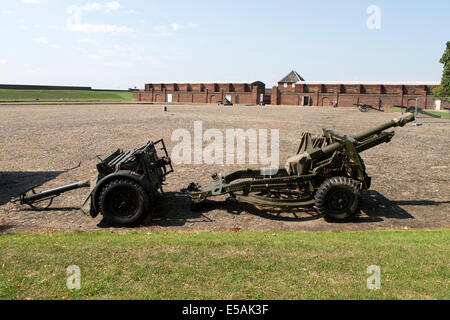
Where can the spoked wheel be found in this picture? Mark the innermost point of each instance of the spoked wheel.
(288, 195)
(124, 203)
(279, 199)
(363, 109)
(338, 198)
(41, 205)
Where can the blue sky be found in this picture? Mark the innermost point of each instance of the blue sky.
(122, 44)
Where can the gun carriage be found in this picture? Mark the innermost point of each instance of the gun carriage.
(367, 107)
(327, 173)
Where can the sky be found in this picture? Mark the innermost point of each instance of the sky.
(125, 44)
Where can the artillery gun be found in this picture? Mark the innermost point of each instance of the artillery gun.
(417, 110)
(226, 103)
(327, 172)
(409, 109)
(124, 189)
(367, 107)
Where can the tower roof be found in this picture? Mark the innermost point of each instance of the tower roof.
(292, 77)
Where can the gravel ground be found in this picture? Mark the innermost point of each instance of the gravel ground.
(410, 175)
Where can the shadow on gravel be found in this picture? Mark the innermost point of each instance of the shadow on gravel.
(276, 214)
(171, 210)
(4, 228)
(420, 203)
(175, 210)
(14, 183)
(376, 207)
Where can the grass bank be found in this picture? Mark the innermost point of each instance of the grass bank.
(249, 265)
(443, 114)
(69, 95)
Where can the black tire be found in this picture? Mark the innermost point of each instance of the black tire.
(338, 199)
(124, 203)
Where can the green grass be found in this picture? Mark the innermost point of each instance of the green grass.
(444, 115)
(250, 265)
(57, 95)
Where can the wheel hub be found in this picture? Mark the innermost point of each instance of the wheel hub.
(339, 200)
(124, 203)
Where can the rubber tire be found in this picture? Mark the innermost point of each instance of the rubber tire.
(350, 187)
(140, 212)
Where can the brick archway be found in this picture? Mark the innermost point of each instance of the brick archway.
(326, 102)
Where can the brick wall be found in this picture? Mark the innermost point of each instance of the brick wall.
(202, 93)
(302, 94)
(348, 95)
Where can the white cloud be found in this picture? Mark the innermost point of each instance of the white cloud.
(159, 28)
(163, 34)
(176, 26)
(32, 1)
(119, 55)
(54, 27)
(95, 28)
(6, 11)
(95, 6)
(88, 41)
(92, 6)
(42, 40)
(74, 20)
(2, 62)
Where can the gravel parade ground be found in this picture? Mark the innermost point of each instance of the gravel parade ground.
(411, 176)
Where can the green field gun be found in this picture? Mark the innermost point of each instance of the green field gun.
(410, 109)
(327, 173)
(367, 107)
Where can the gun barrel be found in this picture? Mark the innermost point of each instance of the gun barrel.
(398, 122)
(28, 199)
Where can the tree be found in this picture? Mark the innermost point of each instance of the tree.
(444, 89)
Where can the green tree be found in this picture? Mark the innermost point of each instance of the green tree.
(444, 89)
